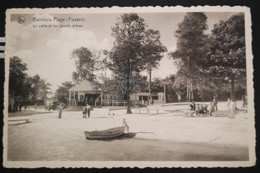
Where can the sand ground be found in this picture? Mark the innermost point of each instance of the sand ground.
(169, 135)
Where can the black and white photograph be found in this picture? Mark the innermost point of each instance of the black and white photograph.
(129, 87)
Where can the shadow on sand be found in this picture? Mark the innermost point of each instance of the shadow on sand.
(16, 124)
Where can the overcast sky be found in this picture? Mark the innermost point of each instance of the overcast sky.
(47, 50)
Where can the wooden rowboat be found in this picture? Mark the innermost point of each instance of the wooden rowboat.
(105, 134)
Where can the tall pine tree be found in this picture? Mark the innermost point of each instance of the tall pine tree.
(191, 48)
(227, 59)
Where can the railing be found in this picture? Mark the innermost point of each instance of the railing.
(111, 103)
(114, 103)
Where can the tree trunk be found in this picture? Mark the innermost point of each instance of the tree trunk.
(233, 97)
(128, 111)
(202, 96)
(191, 90)
(232, 89)
(164, 94)
(149, 84)
(188, 92)
(45, 99)
(190, 96)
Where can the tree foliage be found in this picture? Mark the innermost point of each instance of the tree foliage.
(85, 63)
(17, 76)
(191, 48)
(226, 59)
(153, 53)
(38, 88)
(126, 56)
(23, 87)
(62, 93)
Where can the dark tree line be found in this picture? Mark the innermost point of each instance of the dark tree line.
(210, 62)
(24, 88)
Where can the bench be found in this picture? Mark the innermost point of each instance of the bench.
(114, 109)
(147, 110)
(26, 120)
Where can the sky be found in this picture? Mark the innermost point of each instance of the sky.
(47, 50)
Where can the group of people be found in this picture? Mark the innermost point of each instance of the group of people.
(204, 109)
(86, 111)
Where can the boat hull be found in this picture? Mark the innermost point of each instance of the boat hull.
(105, 134)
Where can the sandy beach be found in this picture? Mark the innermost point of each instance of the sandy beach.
(171, 135)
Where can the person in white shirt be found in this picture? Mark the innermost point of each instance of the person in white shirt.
(231, 108)
(211, 109)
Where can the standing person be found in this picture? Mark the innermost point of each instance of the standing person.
(88, 110)
(142, 102)
(244, 101)
(228, 108)
(35, 106)
(215, 103)
(211, 109)
(200, 109)
(192, 108)
(60, 111)
(84, 111)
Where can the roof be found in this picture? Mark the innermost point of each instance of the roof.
(83, 86)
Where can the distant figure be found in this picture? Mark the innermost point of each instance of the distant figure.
(215, 103)
(197, 110)
(20, 107)
(244, 99)
(35, 106)
(84, 111)
(192, 106)
(205, 110)
(228, 107)
(60, 110)
(231, 109)
(125, 124)
(88, 110)
(211, 109)
(25, 107)
(142, 102)
(192, 109)
(179, 97)
(152, 102)
(49, 107)
(201, 110)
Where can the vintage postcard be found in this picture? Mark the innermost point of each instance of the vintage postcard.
(129, 87)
